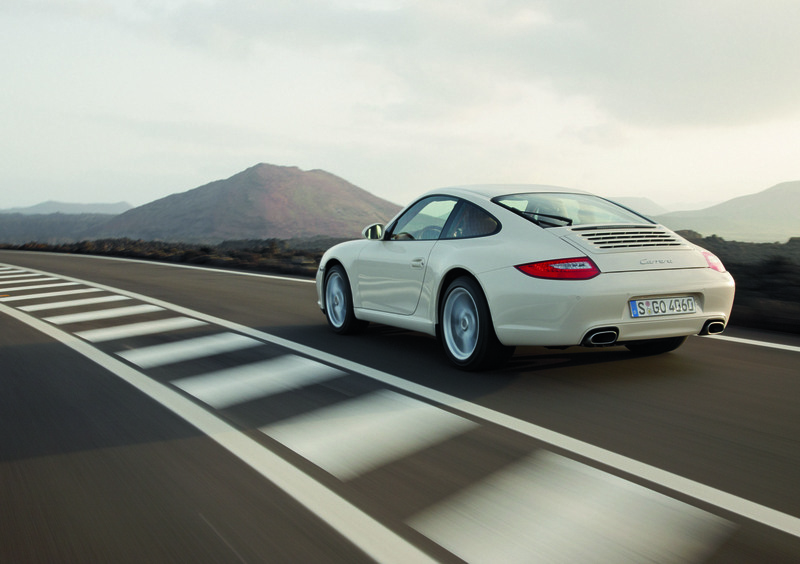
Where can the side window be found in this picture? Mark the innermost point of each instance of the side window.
(424, 220)
(472, 221)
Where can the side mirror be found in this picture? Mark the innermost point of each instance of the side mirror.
(374, 231)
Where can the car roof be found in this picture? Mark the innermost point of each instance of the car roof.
(489, 191)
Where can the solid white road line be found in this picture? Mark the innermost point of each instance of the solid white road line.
(74, 303)
(38, 286)
(367, 534)
(49, 294)
(102, 314)
(139, 329)
(232, 386)
(778, 346)
(190, 349)
(549, 508)
(362, 434)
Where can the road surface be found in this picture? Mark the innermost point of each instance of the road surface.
(157, 413)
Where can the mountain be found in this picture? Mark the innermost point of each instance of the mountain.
(767, 216)
(62, 207)
(645, 206)
(262, 202)
(55, 228)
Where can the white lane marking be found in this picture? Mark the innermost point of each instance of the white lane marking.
(232, 386)
(365, 433)
(102, 314)
(14, 268)
(32, 280)
(700, 492)
(74, 303)
(190, 349)
(37, 286)
(139, 329)
(4, 277)
(548, 508)
(370, 536)
(779, 346)
(49, 294)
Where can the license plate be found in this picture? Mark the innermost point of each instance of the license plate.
(652, 307)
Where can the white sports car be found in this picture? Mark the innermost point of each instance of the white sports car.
(488, 268)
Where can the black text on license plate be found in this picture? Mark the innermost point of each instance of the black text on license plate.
(662, 306)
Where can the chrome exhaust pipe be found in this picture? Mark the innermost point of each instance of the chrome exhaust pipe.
(713, 327)
(603, 337)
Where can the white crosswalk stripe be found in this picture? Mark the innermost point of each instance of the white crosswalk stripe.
(190, 349)
(359, 435)
(74, 303)
(138, 329)
(4, 277)
(102, 314)
(36, 286)
(49, 294)
(39, 279)
(549, 508)
(233, 386)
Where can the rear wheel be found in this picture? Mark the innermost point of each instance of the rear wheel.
(339, 303)
(655, 346)
(466, 328)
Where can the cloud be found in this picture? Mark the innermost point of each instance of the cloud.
(682, 62)
(647, 63)
(397, 94)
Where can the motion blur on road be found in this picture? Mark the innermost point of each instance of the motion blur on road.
(156, 413)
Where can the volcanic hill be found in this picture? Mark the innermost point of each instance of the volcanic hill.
(261, 202)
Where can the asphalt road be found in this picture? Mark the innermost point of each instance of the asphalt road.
(565, 456)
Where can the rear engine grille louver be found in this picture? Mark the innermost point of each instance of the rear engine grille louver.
(629, 238)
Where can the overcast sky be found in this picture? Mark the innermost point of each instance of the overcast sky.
(678, 101)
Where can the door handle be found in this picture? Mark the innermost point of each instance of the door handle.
(418, 263)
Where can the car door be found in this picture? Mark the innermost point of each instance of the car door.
(391, 270)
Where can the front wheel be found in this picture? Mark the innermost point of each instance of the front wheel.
(339, 303)
(655, 346)
(466, 328)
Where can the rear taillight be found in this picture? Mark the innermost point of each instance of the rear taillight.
(713, 262)
(581, 268)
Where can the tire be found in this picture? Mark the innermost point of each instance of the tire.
(339, 303)
(655, 346)
(466, 329)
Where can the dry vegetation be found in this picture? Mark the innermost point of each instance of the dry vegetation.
(298, 257)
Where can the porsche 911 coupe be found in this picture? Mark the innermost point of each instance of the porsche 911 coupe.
(490, 268)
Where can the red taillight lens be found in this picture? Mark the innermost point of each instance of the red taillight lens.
(713, 262)
(581, 268)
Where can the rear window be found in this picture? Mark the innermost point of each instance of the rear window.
(557, 209)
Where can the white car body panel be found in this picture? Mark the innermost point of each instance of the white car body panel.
(389, 275)
(400, 283)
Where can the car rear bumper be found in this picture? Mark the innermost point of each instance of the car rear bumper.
(531, 311)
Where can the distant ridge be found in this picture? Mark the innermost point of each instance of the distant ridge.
(262, 202)
(283, 202)
(768, 216)
(642, 205)
(67, 208)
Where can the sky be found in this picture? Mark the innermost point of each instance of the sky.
(684, 102)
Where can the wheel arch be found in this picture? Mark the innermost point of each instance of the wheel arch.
(330, 263)
(445, 281)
